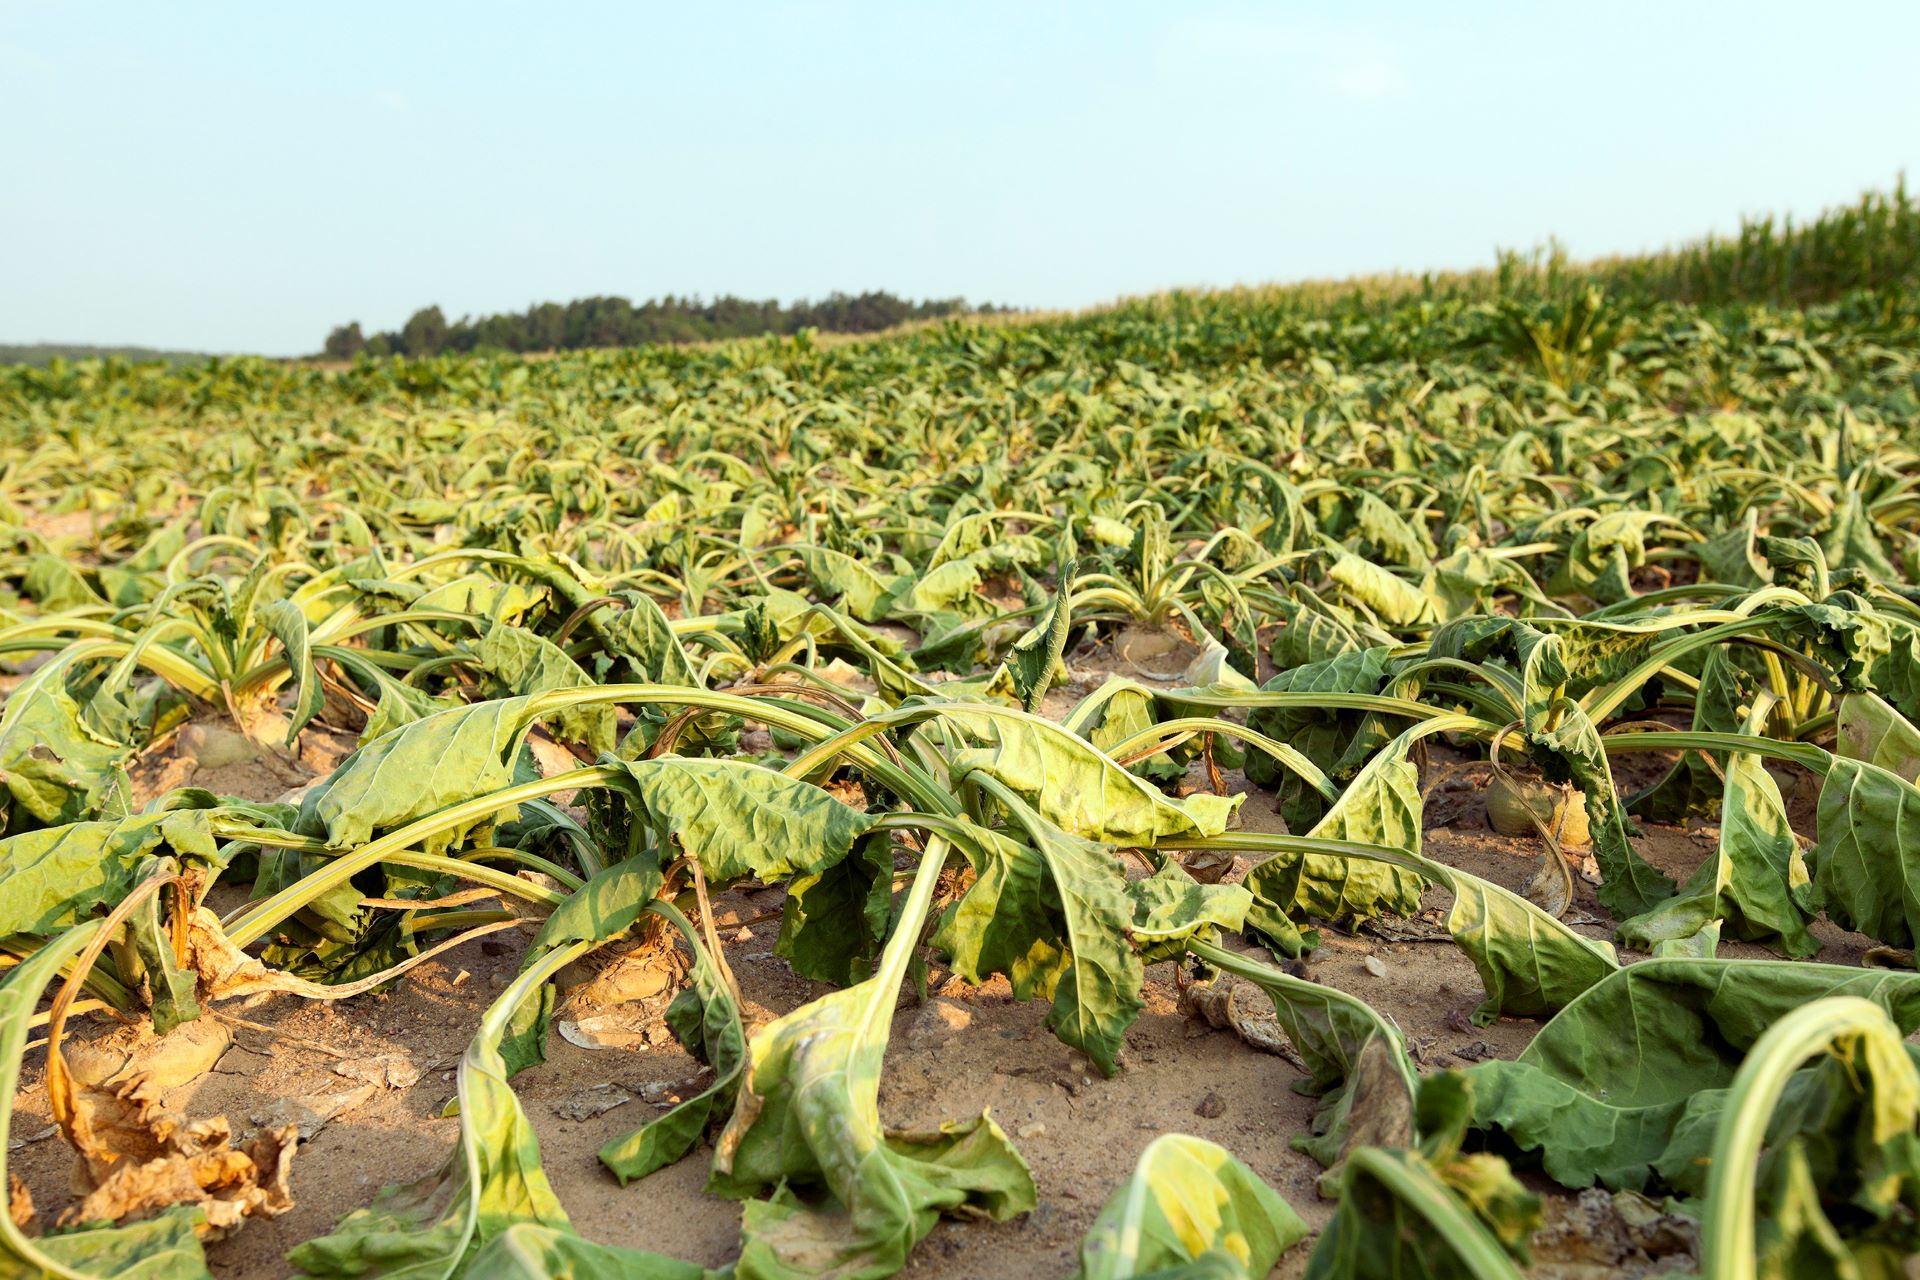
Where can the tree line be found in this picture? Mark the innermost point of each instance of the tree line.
(616, 322)
(43, 353)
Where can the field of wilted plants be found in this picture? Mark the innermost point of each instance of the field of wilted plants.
(1418, 785)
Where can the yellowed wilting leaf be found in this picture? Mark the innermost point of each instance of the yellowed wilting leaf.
(137, 1159)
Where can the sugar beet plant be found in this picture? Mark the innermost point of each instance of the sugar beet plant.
(617, 632)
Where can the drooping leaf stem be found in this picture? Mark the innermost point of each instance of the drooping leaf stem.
(892, 970)
(1804, 754)
(1727, 1250)
(1744, 625)
(810, 723)
(262, 916)
(1448, 878)
(180, 672)
(1229, 700)
(1413, 1184)
(1170, 732)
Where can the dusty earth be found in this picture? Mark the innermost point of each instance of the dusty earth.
(967, 1048)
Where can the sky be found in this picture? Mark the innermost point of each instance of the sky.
(242, 177)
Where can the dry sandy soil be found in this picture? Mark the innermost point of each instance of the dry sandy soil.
(968, 1048)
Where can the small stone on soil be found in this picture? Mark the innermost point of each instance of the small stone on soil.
(312, 1112)
(593, 1100)
(14, 1144)
(388, 1070)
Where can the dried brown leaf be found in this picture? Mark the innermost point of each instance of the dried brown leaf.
(137, 1159)
(19, 1201)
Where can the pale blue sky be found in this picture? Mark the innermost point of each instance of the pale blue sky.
(244, 176)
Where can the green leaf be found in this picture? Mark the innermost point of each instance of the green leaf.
(1755, 882)
(1073, 786)
(1399, 1220)
(529, 1251)
(417, 769)
(1035, 660)
(1603, 555)
(1630, 885)
(808, 1115)
(53, 878)
(1294, 887)
(706, 1020)
(481, 596)
(1380, 807)
(1188, 1198)
(55, 770)
(1009, 921)
(56, 586)
(833, 921)
(741, 819)
(1821, 1164)
(289, 626)
(1850, 540)
(946, 589)
(521, 662)
(1601, 1090)
(1170, 908)
(1842, 633)
(1385, 533)
(1732, 556)
(1872, 730)
(1866, 874)
(1394, 600)
(601, 910)
(643, 638)
(1338, 741)
(1530, 963)
(1116, 711)
(1053, 915)
(171, 989)
(1312, 633)
(860, 591)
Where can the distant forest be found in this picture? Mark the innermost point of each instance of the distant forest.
(616, 322)
(42, 352)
